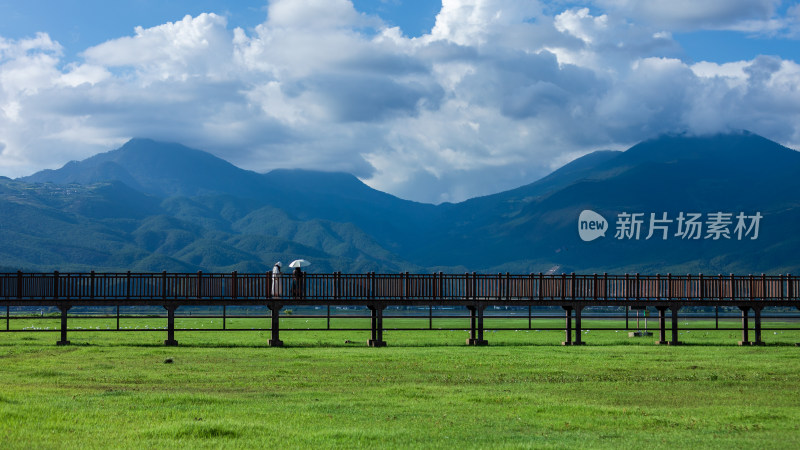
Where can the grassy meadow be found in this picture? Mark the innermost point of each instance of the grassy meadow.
(426, 389)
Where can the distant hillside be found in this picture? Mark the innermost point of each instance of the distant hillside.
(153, 206)
(159, 169)
(726, 173)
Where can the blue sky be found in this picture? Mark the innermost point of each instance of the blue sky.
(426, 100)
(79, 24)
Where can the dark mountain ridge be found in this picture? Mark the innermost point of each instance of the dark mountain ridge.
(168, 170)
(151, 203)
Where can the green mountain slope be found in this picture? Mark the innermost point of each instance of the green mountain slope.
(155, 206)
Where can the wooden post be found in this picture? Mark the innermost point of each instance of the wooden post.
(568, 315)
(380, 326)
(530, 317)
(541, 286)
(430, 317)
(170, 342)
(757, 324)
(573, 286)
(328, 317)
(164, 284)
(377, 326)
(669, 286)
(234, 285)
(662, 325)
(675, 340)
(626, 292)
(224, 316)
(474, 285)
(745, 325)
(473, 319)
(702, 287)
(476, 326)
(530, 285)
(371, 293)
(8, 317)
(117, 317)
(55, 285)
(481, 340)
(658, 286)
(275, 311)
(578, 328)
(627, 309)
(716, 317)
(64, 309)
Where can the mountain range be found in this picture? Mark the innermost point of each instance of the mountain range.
(152, 206)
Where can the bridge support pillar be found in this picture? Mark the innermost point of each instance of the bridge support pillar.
(377, 326)
(568, 317)
(476, 326)
(275, 328)
(170, 342)
(578, 328)
(662, 325)
(757, 324)
(64, 310)
(675, 340)
(745, 325)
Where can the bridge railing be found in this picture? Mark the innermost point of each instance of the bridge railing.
(404, 286)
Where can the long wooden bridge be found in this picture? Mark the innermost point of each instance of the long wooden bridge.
(474, 291)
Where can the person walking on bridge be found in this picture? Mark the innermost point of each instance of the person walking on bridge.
(276, 280)
(297, 283)
(298, 278)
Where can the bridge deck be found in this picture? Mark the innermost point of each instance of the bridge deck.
(377, 291)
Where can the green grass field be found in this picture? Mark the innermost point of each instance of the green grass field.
(426, 389)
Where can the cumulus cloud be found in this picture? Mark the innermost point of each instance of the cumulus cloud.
(496, 95)
(747, 15)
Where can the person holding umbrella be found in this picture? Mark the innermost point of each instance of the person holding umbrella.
(298, 283)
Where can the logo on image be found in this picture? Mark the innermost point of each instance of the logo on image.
(591, 225)
(715, 226)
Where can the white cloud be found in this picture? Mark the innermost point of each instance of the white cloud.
(497, 94)
(316, 15)
(733, 71)
(752, 15)
(199, 46)
(581, 24)
(471, 22)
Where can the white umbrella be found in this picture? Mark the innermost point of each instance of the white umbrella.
(299, 263)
